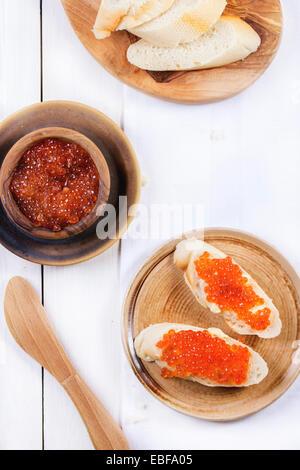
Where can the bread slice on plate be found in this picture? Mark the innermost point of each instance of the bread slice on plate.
(230, 40)
(206, 356)
(224, 287)
(125, 14)
(184, 22)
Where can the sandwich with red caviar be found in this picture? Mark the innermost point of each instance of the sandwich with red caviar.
(206, 356)
(224, 287)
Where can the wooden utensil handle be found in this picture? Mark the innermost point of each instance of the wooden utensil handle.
(104, 433)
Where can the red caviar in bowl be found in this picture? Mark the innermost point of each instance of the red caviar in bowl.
(228, 288)
(56, 183)
(200, 354)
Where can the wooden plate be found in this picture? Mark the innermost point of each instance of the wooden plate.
(159, 294)
(123, 169)
(202, 86)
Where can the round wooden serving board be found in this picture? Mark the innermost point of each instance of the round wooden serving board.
(194, 87)
(159, 294)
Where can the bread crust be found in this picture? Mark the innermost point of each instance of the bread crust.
(150, 10)
(107, 20)
(181, 23)
(248, 41)
(133, 13)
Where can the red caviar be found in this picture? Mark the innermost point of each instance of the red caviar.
(200, 354)
(56, 183)
(229, 290)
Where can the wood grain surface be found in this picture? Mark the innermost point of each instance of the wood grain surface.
(192, 87)
(29, 324)
(159, 294)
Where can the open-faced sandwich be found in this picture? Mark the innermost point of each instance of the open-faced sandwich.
(207, 356)
(225, 288)
(178, 34)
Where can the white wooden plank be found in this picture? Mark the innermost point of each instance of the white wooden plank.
(241, 160)
(20, 376)
(82, 300)
(70, 72)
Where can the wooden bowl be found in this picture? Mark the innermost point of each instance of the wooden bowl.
(159, 294)
(115, 153)
(192, 87)
(11, 161)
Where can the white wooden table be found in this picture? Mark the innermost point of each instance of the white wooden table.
(239, 159)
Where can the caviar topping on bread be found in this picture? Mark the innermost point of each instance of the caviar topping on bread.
(207, 356)
(223, 286)
(125, 14)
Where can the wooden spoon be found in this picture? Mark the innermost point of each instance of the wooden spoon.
(29, 325)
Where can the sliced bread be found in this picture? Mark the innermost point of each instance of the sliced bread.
(124, 14)
(184, 22)
(189, 251)
(230, 40)
(146, 348)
